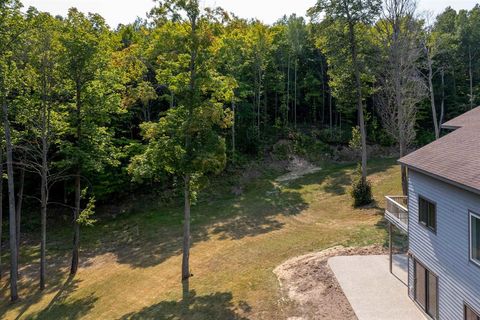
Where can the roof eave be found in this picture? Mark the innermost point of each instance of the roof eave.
(450, 127)
(443, 179)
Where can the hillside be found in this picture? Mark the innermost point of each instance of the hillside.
(131, 264)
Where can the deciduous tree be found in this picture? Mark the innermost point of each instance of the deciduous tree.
(87, 48)
(350, 15)
(187, 142)
(401, 85)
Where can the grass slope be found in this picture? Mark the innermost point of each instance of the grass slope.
(131, 265)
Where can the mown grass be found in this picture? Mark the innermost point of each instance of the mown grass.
(131, 264)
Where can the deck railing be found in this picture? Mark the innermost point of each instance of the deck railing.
(397, 211)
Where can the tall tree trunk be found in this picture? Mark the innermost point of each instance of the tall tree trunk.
(11, 205)
(44, 176)
(265, 103)
(295, 93)
(324, 103)
(432, 98)
(76, 226)
(403, 151)
(78, 188)
(276, 105)
(324, 96)
(259, 99)
(358, 85)
(43, 221)
(233, 131)
(454, 85)
(188, 147)
(186, 230)
(1, 208)
(470, 74)
(399, 102)
(19, 204)
(330, 109)
(402, 139)
(442, 104)
(44, 201)
(288, 87)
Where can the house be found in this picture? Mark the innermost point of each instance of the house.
(442, 219)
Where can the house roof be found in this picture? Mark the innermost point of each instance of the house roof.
(468, 119)
(454, 158)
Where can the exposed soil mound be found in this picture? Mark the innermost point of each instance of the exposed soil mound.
(297, 167)
(309, 283)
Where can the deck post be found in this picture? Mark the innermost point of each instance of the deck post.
(390, 245)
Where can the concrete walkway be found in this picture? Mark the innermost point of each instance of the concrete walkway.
(372, 291)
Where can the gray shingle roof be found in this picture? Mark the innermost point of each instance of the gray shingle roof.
(468, 119)
(454, 158)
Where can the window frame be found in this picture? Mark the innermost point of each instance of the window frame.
(467, 306)
(472, 214)
(425, 225)
(425, 308)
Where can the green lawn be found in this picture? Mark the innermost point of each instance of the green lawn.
(131, 264)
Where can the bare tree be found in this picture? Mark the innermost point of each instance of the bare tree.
(431, 89)
(401, 83)
(436, 51)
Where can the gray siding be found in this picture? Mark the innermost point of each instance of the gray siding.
(445, 253)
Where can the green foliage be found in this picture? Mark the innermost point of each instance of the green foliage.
(361, 191)
(138, 108)
(335, 41)
(85, 217)
(355, 142)
(335, 136)
(166, 151)
(187, 141)
(93, 91)
(282, 150)
(301, 144)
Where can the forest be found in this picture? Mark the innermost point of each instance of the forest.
(92, 115)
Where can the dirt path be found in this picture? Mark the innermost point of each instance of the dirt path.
(297, 168)
(310, 284)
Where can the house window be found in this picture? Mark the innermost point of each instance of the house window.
(426, 290)
(470, 314)
(475, 238)
(427, 213)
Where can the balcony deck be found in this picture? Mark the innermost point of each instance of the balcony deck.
(397, 212)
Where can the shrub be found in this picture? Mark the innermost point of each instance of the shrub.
(361, 190)
(334, 136)
(282, 150)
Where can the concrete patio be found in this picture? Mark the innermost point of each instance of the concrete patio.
(373, 292)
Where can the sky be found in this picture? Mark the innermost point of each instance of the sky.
(268, 11)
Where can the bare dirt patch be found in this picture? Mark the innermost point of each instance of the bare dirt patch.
(310, 284)
(297, 168)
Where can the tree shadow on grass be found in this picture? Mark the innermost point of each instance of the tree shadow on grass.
(257, 213)
(67, 310)
(60, 307)
(149, 239)
(254, 213)
(29, 282)
(217, 305)
(337, 179)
